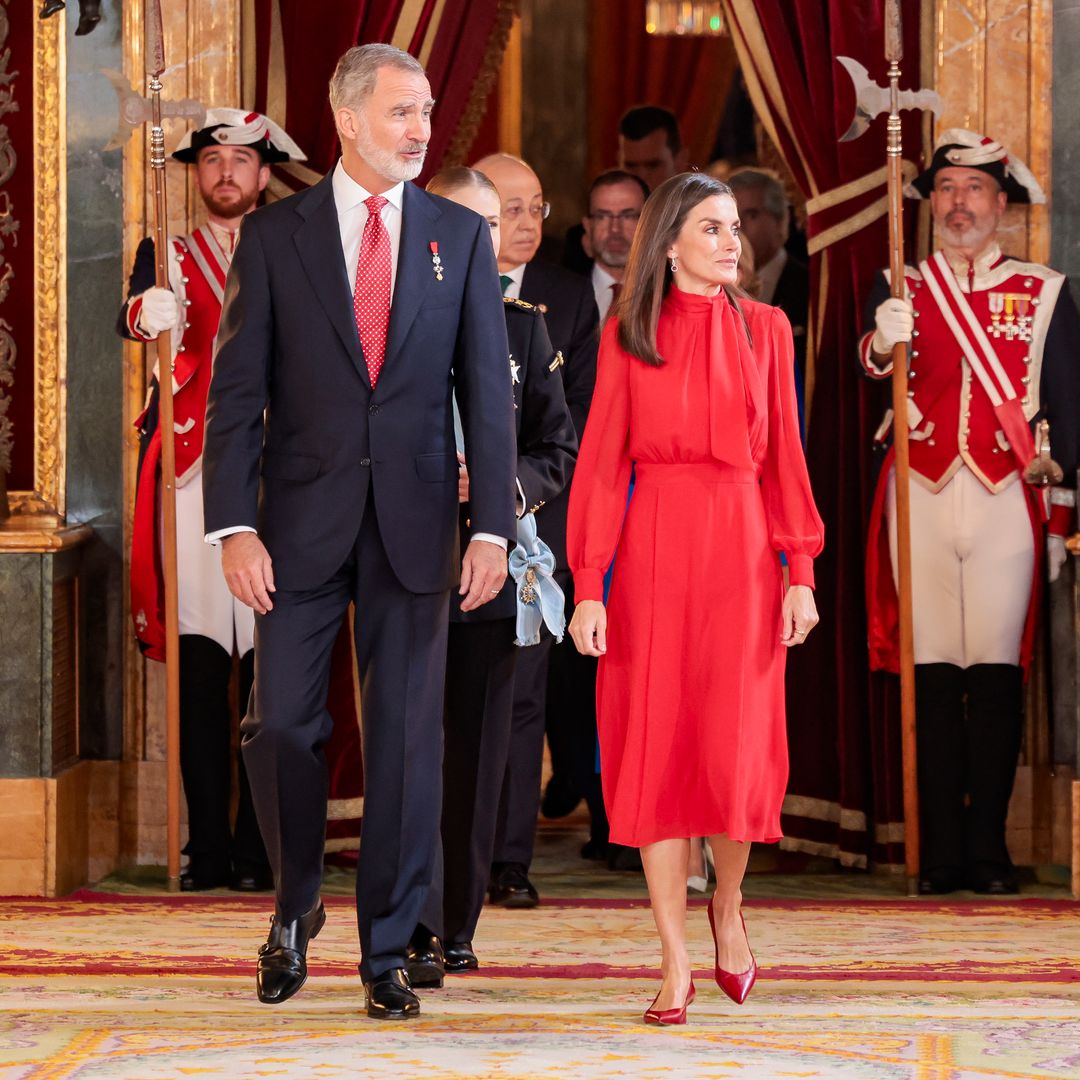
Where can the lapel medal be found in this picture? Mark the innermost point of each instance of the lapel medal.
(436, 262)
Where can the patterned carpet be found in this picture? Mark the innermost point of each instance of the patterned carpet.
(152, 986)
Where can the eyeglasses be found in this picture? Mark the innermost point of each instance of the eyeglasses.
(539, 211)
(623, 217)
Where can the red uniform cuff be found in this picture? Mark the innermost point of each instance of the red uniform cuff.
(133, 319)
(1061, 519)
(867, 361)
(588, 585)
(800, 570)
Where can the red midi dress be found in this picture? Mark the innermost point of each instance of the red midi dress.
(690, 693)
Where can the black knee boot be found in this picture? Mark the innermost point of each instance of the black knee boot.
(939, 707)
(205, 668)
(995, 720)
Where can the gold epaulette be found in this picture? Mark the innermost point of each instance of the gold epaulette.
(524, 305)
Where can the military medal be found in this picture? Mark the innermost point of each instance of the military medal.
(1010, 316)
(515, 371)
(436, 262)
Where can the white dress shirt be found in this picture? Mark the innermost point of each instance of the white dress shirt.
(602, 283)
(513, 290)
(768, 275)
(352, 215)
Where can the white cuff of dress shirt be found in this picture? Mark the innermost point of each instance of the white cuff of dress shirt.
(490, 538)
(521, 498)
(215, 538)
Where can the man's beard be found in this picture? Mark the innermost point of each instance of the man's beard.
(386, 162)
(234, 208)
(970, 235)
(606, 257)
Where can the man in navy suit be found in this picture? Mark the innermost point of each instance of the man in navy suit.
(353, 312)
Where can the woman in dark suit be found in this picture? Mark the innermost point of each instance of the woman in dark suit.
(694, 391)
(481, 654)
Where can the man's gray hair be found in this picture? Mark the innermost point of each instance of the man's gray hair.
(773, 197)
(355, 74)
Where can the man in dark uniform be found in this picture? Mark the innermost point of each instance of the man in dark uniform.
(482, 654)
(994, 348)
(569, 309)
(230, 158)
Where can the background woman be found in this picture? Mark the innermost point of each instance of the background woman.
(695, 389)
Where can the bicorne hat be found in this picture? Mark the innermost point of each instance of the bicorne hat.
(234, 127)
(958, 148)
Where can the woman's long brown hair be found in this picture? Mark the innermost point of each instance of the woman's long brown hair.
(648, 276)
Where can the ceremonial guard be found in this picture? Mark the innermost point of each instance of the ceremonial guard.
(230, 157)
(994, 350)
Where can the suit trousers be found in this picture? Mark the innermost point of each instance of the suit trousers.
(479, 700)
(571, 721)
(401, 655)
(519, 805)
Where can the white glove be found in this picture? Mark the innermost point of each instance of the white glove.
(160, 312)
(894, 322)
(1056, 555)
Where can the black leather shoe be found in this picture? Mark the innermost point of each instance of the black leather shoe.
(594, 850)
(389, 997)
(560, 799)
(988, 879)
(251, 879)
(201, 874)
(459, 956)
(283, 959)
(620, 857)
(939, 882)
(424, 959)
(511, 888)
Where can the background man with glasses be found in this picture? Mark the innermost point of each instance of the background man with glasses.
(566, 300)
(615, 201)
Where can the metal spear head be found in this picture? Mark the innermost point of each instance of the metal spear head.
(872, 100)
(134, 110)
(155, 39)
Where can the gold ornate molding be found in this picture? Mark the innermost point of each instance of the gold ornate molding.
(991, 64)
(50, 275)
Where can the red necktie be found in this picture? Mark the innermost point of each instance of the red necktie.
(371, 297)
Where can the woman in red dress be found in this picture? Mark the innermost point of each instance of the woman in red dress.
(695, 391)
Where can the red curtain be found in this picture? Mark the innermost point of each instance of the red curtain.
(298, 43)
(689, 75)
(844, 796)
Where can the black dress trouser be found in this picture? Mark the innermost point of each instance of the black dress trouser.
(401, 655)
(480, 664)
(206, 758)
(519, 803)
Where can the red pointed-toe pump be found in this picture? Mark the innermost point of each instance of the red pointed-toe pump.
(670, 1016)
(737, 985)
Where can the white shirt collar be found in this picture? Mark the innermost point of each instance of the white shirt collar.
(348, 193)
(516, 274)
(601, 278)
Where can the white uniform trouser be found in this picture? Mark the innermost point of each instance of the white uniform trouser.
(972, 561)
(206, 606)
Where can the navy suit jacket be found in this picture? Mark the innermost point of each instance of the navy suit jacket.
(295, 435)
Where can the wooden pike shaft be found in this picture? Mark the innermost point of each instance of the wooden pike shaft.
(894, 54)
(168, 500)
